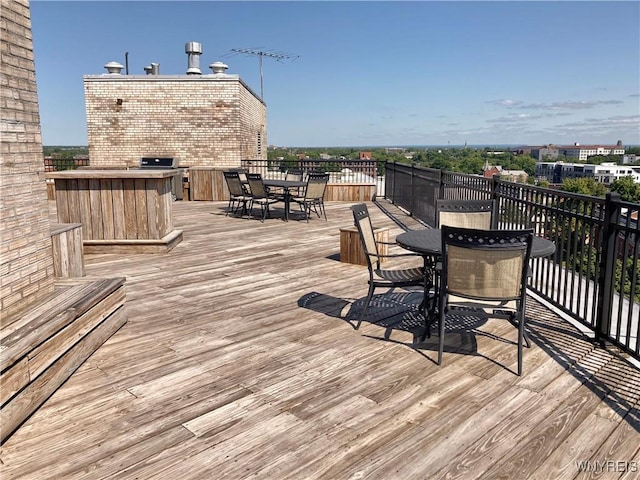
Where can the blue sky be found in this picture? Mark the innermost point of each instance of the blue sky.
(369, 73)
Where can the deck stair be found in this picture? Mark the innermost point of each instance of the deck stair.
(40, 348)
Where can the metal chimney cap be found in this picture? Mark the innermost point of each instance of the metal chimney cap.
(113, 68)
(193, 47)
(218, 67)
(193, 51)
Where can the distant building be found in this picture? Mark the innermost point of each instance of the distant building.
(201, 120)
(606, 173)
(518, 176)
(577, 152)
(364, 156)
(582, 152)
(546, 152)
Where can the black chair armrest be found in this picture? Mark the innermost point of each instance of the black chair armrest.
(391, 255)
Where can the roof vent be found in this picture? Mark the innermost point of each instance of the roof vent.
(153, 69)
(114, 68)
(193, 50)
(218, 67)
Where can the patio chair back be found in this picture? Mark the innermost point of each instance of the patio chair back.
(480, 214)
(316, 185)
(484, 269)
(378, 277)
(234, 183)
(294, 174)
(242, 173)
(485, 264)
(313, 195)
(257, 186)
(362, 221)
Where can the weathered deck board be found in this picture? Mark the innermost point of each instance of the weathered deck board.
(238, 360)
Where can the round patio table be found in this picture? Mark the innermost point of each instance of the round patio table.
(429, 242)
(287, 186)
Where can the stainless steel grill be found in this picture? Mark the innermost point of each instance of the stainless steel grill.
(158, 162)
(164, 163)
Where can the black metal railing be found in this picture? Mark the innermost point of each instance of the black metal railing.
(52, 164)
(594, 276)
(340, 171)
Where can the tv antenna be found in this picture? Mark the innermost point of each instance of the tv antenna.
(261, 53)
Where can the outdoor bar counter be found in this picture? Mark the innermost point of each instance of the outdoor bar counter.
(121, 211)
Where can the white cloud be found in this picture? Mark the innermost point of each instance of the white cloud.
(505, 102)
(570, 105)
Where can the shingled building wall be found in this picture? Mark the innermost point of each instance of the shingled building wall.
(26, 258)
(201, 120)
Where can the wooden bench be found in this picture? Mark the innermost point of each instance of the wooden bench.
(68, 253)
(40, 348)
(351, 245)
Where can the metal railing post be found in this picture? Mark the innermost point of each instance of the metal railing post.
(495, 183)
(393, 185)
(413, 195)
(606, 279)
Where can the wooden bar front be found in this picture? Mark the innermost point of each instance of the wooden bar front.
(121, 211)
(208, 184)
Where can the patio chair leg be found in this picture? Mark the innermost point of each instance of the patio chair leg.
(441, 337)
(521, 336)
(366, 305)
(514, 321)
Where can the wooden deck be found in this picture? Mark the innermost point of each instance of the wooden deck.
(238, 361)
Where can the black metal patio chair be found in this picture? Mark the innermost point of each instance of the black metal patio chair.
(487, 270)
(379, 277)
(259, 194)
(313, 196)
(238, 197)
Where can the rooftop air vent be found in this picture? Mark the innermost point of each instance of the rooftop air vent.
(218, 67)
(114, 68)
(193, 50)
(153, 69)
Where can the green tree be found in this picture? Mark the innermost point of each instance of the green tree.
(629, 190)
(584, 186)
(632, 150)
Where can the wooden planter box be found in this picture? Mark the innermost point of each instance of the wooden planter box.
(351, 246)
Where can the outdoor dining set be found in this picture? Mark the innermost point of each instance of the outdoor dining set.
(247, 190)
(468, 265)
